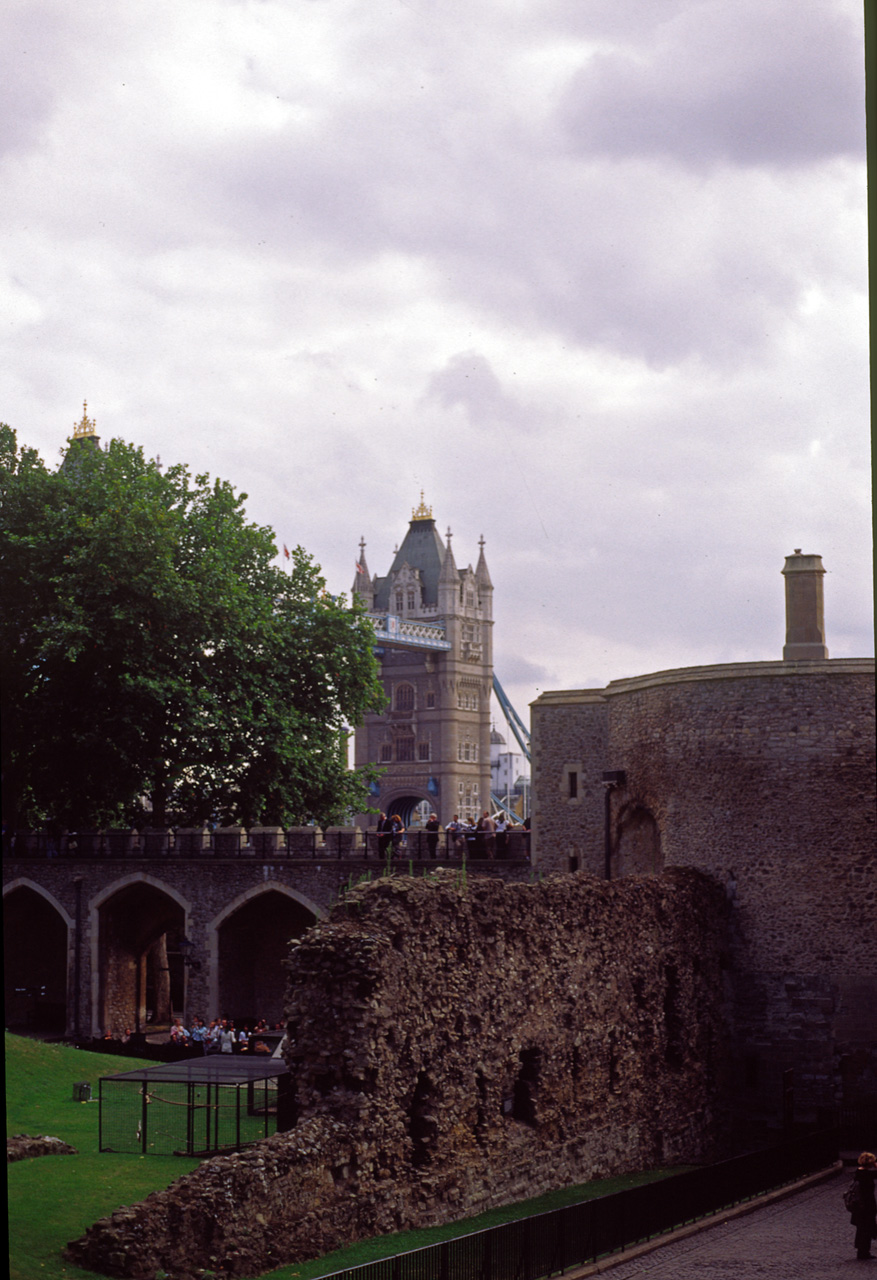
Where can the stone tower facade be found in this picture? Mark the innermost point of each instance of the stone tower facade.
(434, 626)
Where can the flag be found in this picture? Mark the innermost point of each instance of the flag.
(286, 550)
(359, 568)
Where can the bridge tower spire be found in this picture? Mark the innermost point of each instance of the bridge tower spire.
(433, 624)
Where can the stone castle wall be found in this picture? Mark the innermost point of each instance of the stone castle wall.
(762, 775)
(456, 1046)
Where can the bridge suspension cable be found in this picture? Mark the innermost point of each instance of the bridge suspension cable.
(513, 720)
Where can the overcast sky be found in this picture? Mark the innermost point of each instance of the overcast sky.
(589, 273)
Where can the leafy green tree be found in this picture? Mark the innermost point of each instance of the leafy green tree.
(151, 648)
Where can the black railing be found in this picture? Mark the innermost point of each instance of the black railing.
(551, 1243)
(302, 843)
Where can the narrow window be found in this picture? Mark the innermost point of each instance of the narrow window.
(386, 752)
(430, 701)
(404, 748)
(573, 784)
(423, 751)
(405, 697)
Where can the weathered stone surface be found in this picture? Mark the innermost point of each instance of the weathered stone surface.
(457, 1046)
(762, 775)
(23, 1147)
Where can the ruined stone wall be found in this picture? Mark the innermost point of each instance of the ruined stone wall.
(456, 1046)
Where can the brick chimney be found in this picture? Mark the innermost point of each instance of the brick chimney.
(805, 608)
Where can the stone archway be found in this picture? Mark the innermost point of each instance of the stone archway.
(35, 950)
(140, 963)
(407, 806)
(638, 843)
(252, 944)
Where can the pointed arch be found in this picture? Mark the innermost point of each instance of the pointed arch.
(246, 944)
(38, 938)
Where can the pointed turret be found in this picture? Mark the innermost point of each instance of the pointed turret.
(84, 436)
(362, 583)
(448, 582)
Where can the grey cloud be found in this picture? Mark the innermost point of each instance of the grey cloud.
(468, 381)
(739, 83)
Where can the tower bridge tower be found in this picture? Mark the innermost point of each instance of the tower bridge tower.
(433, 624)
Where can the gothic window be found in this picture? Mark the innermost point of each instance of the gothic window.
(404, 697)
(470, 598)
(399, 599)
(430, 700)
(410, 599)
(404, 748)
(423, 751)
(386, 752)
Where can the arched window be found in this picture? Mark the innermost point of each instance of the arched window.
(404, 697)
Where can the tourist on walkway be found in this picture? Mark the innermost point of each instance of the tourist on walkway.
(385, 828)
(502, 839)
(432, 830)
(398, 829)
(456, 838)
(864, 1216)
(485, 840)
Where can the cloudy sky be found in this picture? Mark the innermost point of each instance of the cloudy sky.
(589, 273)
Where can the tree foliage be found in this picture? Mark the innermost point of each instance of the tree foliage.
(151, 648)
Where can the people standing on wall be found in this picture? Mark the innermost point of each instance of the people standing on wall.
(485, 839)
(385, 829)
(864, 1215)
(456, 838)
(432, 830)
(502, 837)
(397, 827)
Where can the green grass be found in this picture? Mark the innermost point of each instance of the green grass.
(53, 1199)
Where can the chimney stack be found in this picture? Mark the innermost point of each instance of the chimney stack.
(805, 608)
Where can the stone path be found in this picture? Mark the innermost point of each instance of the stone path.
(804, 1236)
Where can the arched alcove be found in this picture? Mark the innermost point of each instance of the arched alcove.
(139, 959)
(253, 941)
(34, 962)
(638, 843)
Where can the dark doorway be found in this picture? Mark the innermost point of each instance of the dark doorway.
(35, 963)
(253, 945)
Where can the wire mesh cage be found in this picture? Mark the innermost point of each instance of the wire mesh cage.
(193, 1108)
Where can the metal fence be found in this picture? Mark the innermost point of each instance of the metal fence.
(298, 843)
(189, 1108)
(551, 1243)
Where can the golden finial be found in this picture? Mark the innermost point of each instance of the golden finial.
(87, 427)
(423, 512)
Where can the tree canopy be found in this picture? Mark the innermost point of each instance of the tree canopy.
(151, 648)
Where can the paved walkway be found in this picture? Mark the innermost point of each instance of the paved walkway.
(803, 1236)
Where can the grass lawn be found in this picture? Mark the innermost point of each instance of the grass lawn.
(54, 1198)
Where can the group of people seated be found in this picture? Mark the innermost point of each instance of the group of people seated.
(221, 1036)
